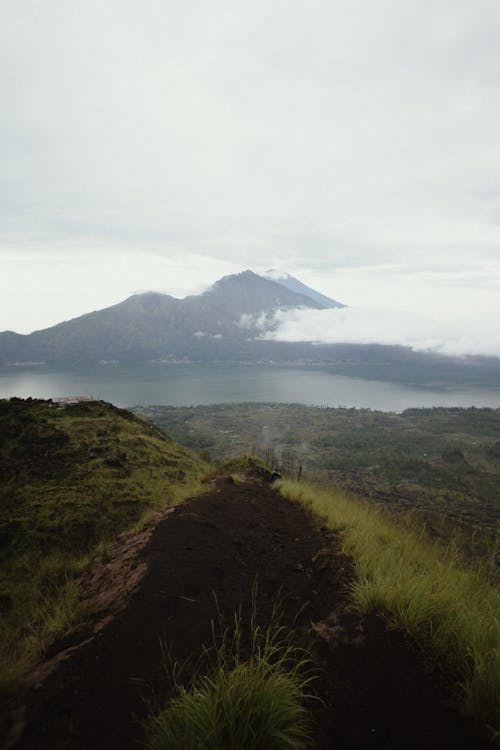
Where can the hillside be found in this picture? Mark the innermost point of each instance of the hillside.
(71, 479)
(107, 628)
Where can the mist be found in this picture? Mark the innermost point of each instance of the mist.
(468, 334)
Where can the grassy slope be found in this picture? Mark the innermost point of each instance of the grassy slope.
(451, 610)
(71, 479)
(442, 464)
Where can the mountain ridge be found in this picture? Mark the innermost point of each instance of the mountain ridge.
(225, 323)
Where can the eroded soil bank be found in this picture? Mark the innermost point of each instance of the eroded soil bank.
(375, 691)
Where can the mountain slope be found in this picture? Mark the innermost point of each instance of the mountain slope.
(96, 453)
(292, 284)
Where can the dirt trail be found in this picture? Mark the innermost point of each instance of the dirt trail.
(375, 693)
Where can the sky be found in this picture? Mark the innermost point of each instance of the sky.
(161, 145)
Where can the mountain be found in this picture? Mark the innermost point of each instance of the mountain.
(220, 323)
(294, 285)
(225, 323)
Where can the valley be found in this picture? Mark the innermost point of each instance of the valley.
(440, 465)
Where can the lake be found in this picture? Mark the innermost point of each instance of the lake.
(184, 385)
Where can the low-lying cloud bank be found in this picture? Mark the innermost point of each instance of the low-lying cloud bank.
(468, 332)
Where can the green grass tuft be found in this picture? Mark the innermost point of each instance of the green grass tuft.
(248, 708)
(245, 702)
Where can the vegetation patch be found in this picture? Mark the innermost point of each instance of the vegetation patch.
(71, 480)
(449, 608)
(252, 697)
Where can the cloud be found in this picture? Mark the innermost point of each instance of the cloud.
(345, 131)
(328, 138)
(246, 322)
(472, 333)
(257, 323)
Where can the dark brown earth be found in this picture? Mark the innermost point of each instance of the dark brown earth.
(376, 692)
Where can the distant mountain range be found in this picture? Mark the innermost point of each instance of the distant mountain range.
(225, 323)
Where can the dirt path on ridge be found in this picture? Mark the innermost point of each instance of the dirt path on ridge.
(375, 694)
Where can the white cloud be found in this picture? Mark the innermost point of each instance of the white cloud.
(471, 333)
(161, 145)
(275, 274)
(246, 321)
(342, 126)
(257, 323)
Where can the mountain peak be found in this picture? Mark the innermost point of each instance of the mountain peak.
(237, 278)
(248, 292)
(289, 282)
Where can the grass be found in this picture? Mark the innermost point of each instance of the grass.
(449, 608)
(33, 624)
(71, 480)
(246, 701)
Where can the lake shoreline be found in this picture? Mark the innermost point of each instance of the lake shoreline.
(181, 384)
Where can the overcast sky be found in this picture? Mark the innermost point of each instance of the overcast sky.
(161, 145)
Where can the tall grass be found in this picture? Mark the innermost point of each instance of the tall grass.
(246, 701)
(450, 609)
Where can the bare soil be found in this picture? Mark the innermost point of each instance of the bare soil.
(376, 692)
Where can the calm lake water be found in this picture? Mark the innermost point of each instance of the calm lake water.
(180, 385)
